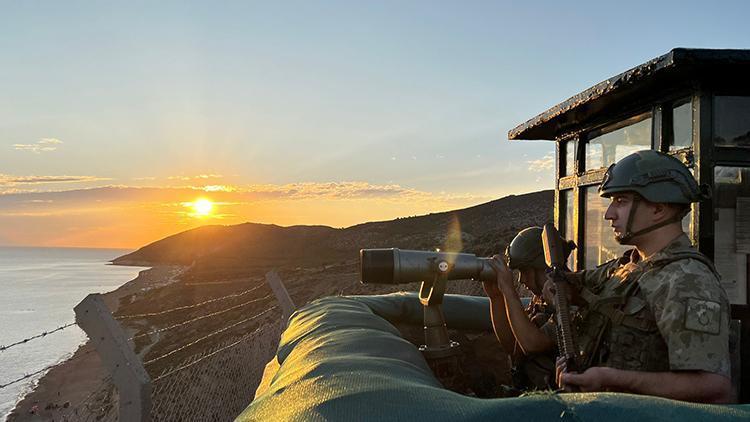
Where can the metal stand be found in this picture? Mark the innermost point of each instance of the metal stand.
(442, 354)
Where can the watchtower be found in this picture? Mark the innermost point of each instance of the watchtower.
(691, 103)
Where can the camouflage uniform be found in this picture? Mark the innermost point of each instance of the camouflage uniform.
(666, 313)
(536, 371)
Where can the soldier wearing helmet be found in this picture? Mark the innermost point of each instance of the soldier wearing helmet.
(656, 320)
(527, 335)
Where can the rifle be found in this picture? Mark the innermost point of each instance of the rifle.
(554, 255)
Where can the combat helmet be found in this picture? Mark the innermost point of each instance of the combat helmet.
(656, 177)
(526, 250)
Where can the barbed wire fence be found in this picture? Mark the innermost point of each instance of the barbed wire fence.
(231, 370)
(210, 376)
(213, 383)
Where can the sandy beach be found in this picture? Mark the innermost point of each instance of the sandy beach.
(80, 383)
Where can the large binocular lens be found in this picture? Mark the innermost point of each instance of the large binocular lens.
(394, 266)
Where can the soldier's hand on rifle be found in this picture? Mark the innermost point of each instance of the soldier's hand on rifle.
(504, 279)
(548, 291)
(561, 366)
(592, 379)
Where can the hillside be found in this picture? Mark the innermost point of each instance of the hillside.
(313, 261)
(483, 229)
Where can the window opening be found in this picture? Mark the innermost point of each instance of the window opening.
(732, 229)
(610, 144)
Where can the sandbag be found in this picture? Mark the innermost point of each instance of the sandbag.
(340, 359)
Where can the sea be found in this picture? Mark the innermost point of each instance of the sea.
(38, 289)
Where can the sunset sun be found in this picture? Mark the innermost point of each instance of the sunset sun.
(202, 207)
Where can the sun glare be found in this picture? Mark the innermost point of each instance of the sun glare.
(202, 207)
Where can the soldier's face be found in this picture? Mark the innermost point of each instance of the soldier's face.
(618, 213)
(533, 279)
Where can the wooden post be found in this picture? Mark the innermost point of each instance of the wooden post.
(287, 306)
(111, 342)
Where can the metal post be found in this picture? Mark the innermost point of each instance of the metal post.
(129, 376)
(282, 295)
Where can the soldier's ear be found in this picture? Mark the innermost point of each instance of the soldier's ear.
(661, 211)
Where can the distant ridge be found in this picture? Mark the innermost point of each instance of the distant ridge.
(482, 229)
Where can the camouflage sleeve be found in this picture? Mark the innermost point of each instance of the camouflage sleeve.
(692, 312)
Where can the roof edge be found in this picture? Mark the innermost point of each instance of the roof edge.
(677, 57)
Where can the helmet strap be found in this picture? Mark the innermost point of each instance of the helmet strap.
(628, 228)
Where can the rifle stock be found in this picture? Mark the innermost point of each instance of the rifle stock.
(554, 255)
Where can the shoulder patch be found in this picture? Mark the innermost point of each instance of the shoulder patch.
(703, 316)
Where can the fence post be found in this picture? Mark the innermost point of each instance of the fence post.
(111, 342)
(282, 295)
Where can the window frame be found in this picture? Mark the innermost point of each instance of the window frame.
(581, 177)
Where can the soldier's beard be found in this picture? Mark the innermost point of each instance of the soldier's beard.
(622, 239)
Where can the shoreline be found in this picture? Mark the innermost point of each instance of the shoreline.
(58, 392)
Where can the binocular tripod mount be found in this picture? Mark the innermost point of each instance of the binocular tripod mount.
(442, 354)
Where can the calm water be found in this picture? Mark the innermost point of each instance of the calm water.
(38, 289)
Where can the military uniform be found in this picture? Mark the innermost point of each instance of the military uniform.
(665, 313)
(536, 371)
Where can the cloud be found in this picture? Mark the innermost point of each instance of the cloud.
(543, 164)
(47, 141)
(43, 145)
(196, 177)
(11, 180)
(330, 190)
(219, 188)
(333, 191)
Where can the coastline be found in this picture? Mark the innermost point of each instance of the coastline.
(80, 378)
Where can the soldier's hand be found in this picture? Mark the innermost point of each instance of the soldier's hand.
(491, 287)
(561, 367)
(593, 379)
(548, 291)
(504, 274)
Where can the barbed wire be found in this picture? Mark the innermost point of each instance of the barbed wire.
(43, 334)
(180, 368)
(210, 335)
(179, 308)
(27, 376)
(160, 330)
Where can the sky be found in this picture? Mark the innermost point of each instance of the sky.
(116, 119)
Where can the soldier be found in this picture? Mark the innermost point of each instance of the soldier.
(528, 336)
(656, 319)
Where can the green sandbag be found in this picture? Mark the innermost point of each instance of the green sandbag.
(340, 360)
